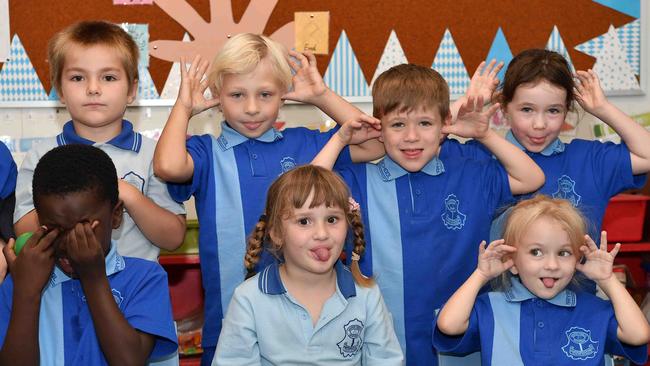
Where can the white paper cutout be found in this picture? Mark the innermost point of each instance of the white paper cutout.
(140, 34)
(18, 78)
(612, 67)
(5, 36)
(393, 55)
(630, 37)
(450, 65)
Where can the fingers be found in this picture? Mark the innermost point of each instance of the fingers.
(590, 244)
(8, 251)
(42, 240)
(370, 120)
(492, 110)
(603, 240)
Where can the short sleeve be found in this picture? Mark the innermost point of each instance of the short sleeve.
(464, 344)
(613, 168)
(496, 184)
(150, 310)
(8, 172)
(238, 343)
(637, 354)
(6, 294)
(380, 344)
(157, 191)
(200, 149)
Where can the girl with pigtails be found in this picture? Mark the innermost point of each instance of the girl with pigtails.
(308, 306)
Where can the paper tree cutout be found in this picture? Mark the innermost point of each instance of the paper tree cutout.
(18, 79)
(500, 50)
(629, 7)
(450, 65)
(208, 37)
(629, 36)
(173, 83)
(146, 87)
(344, 75)
(393, 55)
(53, 95)
(612, 67)
(555, 43)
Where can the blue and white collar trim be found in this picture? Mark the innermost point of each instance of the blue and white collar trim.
(518, 293)
(390, 170)
(555, 147)
(126, 140)
(230, 138)
(270, 283)
(114, 263)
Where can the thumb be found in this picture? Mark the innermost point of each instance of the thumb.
(9, 253)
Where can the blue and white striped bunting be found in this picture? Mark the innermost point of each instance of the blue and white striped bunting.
(344, 75)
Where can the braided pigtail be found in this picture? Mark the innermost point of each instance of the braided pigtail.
(255, 247)
(356, 225)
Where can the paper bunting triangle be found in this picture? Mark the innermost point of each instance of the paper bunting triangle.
(393, 55)
(173, 83)
(629, 7)
(612, 67)
(344, 75)
(53, 94)
(500, 50)
(18, 78)
(450, 65)
(555, 43)
(629, 37)
(146, 87)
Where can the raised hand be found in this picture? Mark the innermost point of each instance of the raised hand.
(588, 91)
(485, 80)
(491, 259)
(31, 269)
(193, 85)
(598, 264)
(472, 121)
(307, 82)
(84, 251)
(359, 130)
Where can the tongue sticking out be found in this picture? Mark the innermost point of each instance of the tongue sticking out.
(322, 254)
(548, 282)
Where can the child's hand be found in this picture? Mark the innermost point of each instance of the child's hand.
(307, 82)
(598, 264)
(193, 85)
(588, 91)
(484, 81)
(32, 268)
(472, 121)
(84, 251)
(359, 130)
(490, 259)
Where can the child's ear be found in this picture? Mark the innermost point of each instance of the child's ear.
(275, 238)
(116, 215)
(514, 270)
(448, 120)
(133, 92)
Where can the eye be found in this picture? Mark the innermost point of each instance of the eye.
(397, 124)
(76, 78)
(536, 252)
(303, 221)
(526, 109)
(110, 78)
(266, 94)
(555, 111)
(332, 220)
(236, 95)
(426, 123)
(565, 253)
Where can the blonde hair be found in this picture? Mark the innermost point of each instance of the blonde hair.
(290, 191)
(408, 87)
(92, 33)
(242, 53)
(526, 212)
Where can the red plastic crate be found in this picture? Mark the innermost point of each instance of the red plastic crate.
(624, 217)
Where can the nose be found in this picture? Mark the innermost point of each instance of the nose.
(411, 134)
(252, 107)
(93, 87)
(539, 122)
(320, 231)
(551, 263)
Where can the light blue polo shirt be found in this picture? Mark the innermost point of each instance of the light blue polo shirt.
(66, 333)
(266, 325)
(422, 233)
(587, 173)
(517, 328)
(231, 176)
(132, 155)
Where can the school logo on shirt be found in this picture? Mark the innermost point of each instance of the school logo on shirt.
(134, 180)
(566, 190)
(352, 341)
(452, 217)
(579, 345)
(287, 164)
(117, 296)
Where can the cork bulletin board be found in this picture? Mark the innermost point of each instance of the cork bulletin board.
(365, 36)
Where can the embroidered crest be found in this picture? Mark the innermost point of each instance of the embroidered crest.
(385, 174)
(452, 217)
(117, 296)
(352, 341)
(579, 345)
(287, 164)
(134, 180)
(223, 142)
(566, 190)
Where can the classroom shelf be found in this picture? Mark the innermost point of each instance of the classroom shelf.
(190, 361)
(639, 247)
(178, 259)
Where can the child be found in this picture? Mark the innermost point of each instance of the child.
(538, 91)
(423, 212)
(71, 298)
(229, 174)
(310, 307)
(8, 174)
(94, 68)
(535, 318)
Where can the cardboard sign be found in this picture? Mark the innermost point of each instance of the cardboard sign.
(312, 31)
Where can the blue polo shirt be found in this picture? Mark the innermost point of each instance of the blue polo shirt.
(266, 325)
(422, 235)
(231, 176)
(66, 333)
(587, 173)
(132, 155)
(517, 328)
(8, 172)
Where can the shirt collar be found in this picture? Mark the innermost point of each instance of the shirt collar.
(230, 138)
(518, 293)
(113, 262)
(390, 170)
(126, 140)
(555, 147)
(270, 283)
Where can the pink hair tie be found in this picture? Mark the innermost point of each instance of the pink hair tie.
(354, 205)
